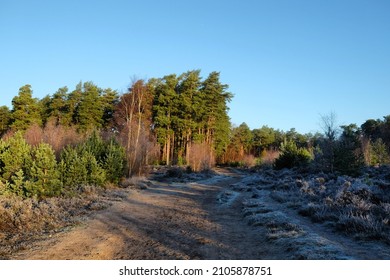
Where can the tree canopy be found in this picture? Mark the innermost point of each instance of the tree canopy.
(176, 119)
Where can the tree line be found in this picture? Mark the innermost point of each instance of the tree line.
(344, 149)
(96, 136)
(93, 136)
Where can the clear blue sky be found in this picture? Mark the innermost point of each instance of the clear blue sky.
(286, 62)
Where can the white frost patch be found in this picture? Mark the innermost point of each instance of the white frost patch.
(287, 232)
(213, 180)
(227, 197)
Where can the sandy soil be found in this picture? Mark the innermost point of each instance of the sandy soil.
(195, 220)
(164, 221)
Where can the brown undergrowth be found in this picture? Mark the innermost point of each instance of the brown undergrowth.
(25, 220)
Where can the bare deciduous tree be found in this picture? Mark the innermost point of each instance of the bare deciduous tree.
(331, 131)
(201, 157)
(133, 117)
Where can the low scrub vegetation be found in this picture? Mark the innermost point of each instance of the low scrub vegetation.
(23, 220)
(355, 206)
(34, 171)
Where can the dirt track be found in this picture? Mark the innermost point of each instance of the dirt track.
(164, 221)
(207, 219)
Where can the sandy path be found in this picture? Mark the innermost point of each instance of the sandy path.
(164, 221)
(201, 220)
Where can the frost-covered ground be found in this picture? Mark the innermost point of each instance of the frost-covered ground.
(221, 214)
(319, 216)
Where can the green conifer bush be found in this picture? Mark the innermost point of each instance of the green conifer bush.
(43, 172)
(292, 156)
(15, 155)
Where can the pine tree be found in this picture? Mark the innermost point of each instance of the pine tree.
(43, 172)
(114, 161)
(59, 107)
(110, 99)
(44, 104)
(379, 153)
(80, 167)
(5, 117)
(6, 188)
(348, 153)
(165, 111)
(14, 156)
(73, 102)
(292, 156)
(17, 184)
(263, 138)
(216, 109)
(240, 143)
(188, 90)
(96, 175)
(26, 110)
(90, 110)
(95, 146)
(74, 172)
